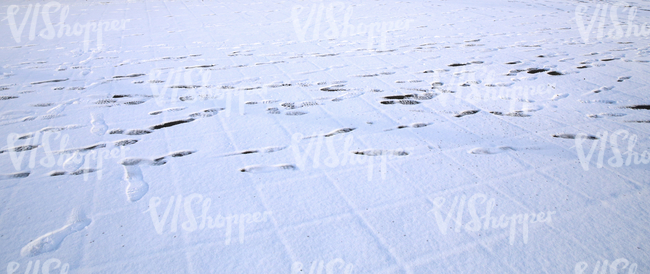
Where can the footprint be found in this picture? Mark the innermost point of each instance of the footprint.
(181, 153)
(132, 103)
(19, 148)
(518, 113)
(268, 168)
(623, 78)
(414, 125)
(206, 113)
(170, 124)
(469, 83)
(186, 87)
(261, 150)
(573, 136)
(273, 111)
(332, 88)
(200, 66)
(83, 171)
(136, 187)
(155, 162)
(14, 175)
(83, 149)
(3, 98)
(601, 89)
(122, 143)
(295, 113)
(466, 112)
(57, 173)
(98, 125)
(141, 161)
(128, 76)
(105, 101)
(339, 131)
(136, 132)
(52, 240)
(597, 101)
(43, 105)
(536, 70)
(49, 81)
(605, 114)
(379, 152)
(646, 107)
(559, 96)
(408, 102)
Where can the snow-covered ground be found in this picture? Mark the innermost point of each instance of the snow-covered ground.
(362, 136)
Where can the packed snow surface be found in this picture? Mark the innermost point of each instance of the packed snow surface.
(479, 136)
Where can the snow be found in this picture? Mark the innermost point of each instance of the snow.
(278, 137)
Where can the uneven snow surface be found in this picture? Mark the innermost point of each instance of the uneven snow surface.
(362, 136)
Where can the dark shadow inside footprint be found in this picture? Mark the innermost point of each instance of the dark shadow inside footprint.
(134, 102)
(49, 81)
(647, 107)
(19, 175)
(181, 153)
(573, 136)
(121, 95)
(105, 101)
(83, 171)
(465, 113)
(170, 124)
(399, 97)
(125, 142)
(136, 132)
(57, 173)
(533, 71)
(128, 76)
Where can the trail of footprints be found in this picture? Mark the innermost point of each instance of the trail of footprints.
(137, 187)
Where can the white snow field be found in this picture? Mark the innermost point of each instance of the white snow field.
(485, 136)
